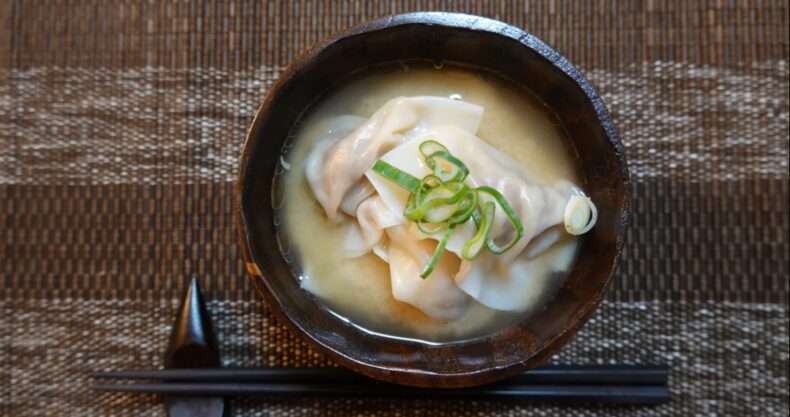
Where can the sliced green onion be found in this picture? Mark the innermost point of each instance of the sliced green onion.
(580, 215)
(431, 228)
(439, 203)
(466, 209)
(448, 167)
(437, 254)
(429, 147)
(426, 184)
(451, 205)
(511, 215)
(402, 178)
(440, 213)
(432, 150)
(472, 247)
(417, 208)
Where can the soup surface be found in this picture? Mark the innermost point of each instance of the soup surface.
(359, 289)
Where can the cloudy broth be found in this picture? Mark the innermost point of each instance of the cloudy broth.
(358, 289)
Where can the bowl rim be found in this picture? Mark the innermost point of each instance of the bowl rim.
(455, 21)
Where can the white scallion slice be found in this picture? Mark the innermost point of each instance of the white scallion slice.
(580, 215)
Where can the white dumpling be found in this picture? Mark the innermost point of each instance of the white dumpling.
(501, 282)
(338, 171)
(339, 128)
(336, 166)
(437, 296)
(360, 192)
(538, 206)
(365, 234)
(512, 286)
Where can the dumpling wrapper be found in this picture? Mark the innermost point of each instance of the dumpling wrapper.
(437, 296)
(339, 128)
(336, 171)
(497, 281)
(364, 235)
(516, 285)
(335, 168)
(539, 207)
(407, 253)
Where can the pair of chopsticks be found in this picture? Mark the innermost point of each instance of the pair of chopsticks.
(635, 385)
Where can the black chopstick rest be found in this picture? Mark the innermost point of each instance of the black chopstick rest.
(192, 340)
(193, 345)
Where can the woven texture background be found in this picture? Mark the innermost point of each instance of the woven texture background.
(120, 128)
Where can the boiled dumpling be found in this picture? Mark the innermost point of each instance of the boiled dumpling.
(501, 282)
(340, 175)
(336, 166)
(341, 127)
(512, 286)
(438, 296)
(365, 234)
(539, 206)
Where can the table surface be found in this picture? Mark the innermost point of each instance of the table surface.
(120, 127)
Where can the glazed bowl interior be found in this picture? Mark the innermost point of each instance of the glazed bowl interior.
(438, 37)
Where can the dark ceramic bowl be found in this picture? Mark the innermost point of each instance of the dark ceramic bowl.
(438, 37)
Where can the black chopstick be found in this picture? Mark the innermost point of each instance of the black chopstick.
(625, 384)
(552, 375)
(603, 394)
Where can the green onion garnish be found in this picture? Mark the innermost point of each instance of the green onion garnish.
(432, 229)
(402, 178)
(475, 244)
(440, 201)
(437, 254)
(443, 164)
(439, 204)
(580, 215)
(511, 215)
(431, 146)
(467, 206)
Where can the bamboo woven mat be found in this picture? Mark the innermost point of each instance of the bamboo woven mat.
(120, 127)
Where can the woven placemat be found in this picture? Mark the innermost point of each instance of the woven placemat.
(120, 128)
